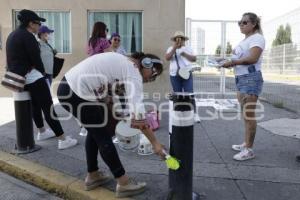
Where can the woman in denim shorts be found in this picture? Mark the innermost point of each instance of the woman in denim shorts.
(246, 61)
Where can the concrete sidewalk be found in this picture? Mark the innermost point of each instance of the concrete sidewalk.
(273, 174)
(14, 189)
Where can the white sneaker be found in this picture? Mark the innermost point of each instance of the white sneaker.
(67, 143)
(45, 135)
(83, 132)
(245, 154)
(132, 188)
(197, 118)
(238, 147)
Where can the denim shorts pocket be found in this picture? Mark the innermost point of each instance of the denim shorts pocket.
(251, 82)
(259, 77)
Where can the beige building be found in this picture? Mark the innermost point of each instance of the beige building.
(144, 25)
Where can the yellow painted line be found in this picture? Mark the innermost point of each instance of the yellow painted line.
(51, 180)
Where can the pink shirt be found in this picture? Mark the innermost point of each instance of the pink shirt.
(101, 45)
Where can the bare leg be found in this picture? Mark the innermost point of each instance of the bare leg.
(240, 98)
(248, 108)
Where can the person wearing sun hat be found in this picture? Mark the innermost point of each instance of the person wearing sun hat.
(23, 58)
(181, 56)
(47, 51)
(179, 34)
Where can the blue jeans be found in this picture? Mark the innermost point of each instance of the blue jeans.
(181, 85)
(250, 83)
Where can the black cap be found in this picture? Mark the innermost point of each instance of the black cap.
(29, 15)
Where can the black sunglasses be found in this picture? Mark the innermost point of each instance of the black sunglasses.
(106, 30)
(37, 22)
(243, 23)
(117, 40)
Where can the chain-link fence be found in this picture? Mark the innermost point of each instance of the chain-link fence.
(282, 59)
(280, 67)
(281, 93)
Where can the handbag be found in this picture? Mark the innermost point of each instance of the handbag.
(183, 73)
(57, 62)
(57, 65)
(13, 81)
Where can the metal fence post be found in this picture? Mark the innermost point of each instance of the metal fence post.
(24, 128)
(181, 147)
(283, 59)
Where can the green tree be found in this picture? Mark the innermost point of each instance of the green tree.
(283, 52)
(228, 49)
(283, 35)
(218, 50)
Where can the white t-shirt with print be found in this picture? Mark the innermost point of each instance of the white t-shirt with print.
(88, 78)
(242, 50)
(182, 61)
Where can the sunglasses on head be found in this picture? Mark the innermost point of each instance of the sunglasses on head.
(243, 22)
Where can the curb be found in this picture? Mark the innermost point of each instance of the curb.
(50, 180)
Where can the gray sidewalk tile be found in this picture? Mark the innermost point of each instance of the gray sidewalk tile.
(211, 170)
(14, 189)
(271, 174)
(258, 190)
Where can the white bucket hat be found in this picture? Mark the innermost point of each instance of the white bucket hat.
(179, 34)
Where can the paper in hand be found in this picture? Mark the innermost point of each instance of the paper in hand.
(212, 62)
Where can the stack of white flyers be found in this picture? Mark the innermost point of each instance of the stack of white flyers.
(213, 62)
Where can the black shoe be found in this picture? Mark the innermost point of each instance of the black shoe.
(298, 158)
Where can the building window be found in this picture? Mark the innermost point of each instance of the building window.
(60, 22)
(127, 24)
